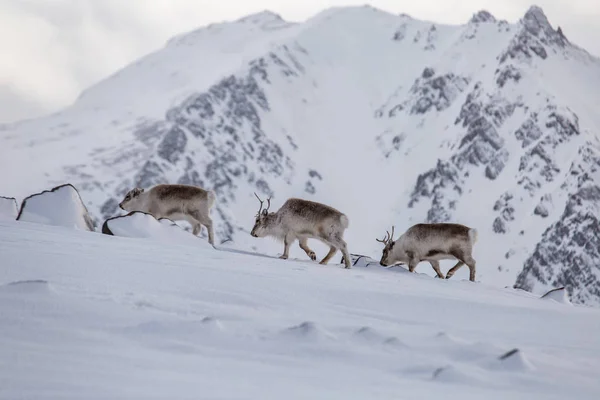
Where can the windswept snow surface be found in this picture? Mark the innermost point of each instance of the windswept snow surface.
(92, 316)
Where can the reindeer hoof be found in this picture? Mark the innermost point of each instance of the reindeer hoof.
(283, 257)
(312, 255)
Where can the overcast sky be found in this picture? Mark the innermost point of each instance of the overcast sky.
(50, 50)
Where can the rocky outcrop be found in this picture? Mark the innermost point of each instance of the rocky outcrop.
(60, 206)
(536, 38)
(482, 16)
(8, 208)
(568, 253)
(441, 187)
(431, 92)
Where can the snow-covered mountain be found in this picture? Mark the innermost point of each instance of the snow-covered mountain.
(392, 120)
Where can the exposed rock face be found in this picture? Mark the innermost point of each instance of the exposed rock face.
(432, 92)
(536, 38)
(569, 253)
(482, 17)
(442, 185)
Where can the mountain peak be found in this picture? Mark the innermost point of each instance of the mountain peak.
(482, 16)
(261, 16)
(535, 20)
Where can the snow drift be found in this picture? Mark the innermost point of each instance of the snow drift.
(137, 224)
(8, 208)
(60, 206)
(90, 316)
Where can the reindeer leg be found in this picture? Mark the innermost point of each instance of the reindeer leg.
(453, 270)
(344, 249)
(332, 251)
(197, 227)
(287, 242)
(211, 233)
(464, 258)
(336, 242)
(304, 246)
(207, 222)
(436, 267)
(412, 261)
(470, 261)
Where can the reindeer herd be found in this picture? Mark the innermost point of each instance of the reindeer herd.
(300, 219)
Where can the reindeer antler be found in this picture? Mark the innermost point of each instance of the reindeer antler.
(387, 238)
(261, 203)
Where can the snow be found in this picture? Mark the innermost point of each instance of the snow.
(93, 316)
(8, 208)
(142, 225)
(61, 206)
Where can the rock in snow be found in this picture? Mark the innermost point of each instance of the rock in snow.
(61, 206)
(138, 224)
(559, 295)
(8, 208)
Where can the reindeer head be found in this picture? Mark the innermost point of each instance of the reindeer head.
(388, 241)
(132, 200)
(264, 219)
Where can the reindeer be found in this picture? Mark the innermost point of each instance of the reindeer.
(176, 202)
(303, 219)
(432, 243)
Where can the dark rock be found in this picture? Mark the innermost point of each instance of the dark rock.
(173, 145)
(442, 186)
(482, 17)
(528, 132)
(314, 174)
(569, 252)
(309, 188)
(438, 92)
(427, 73)
(499, 225)
(507, 73)
(542, 209)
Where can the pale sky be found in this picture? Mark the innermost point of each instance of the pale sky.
(50, 50)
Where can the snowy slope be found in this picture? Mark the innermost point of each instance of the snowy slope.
(93, 316)
(389, 119)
